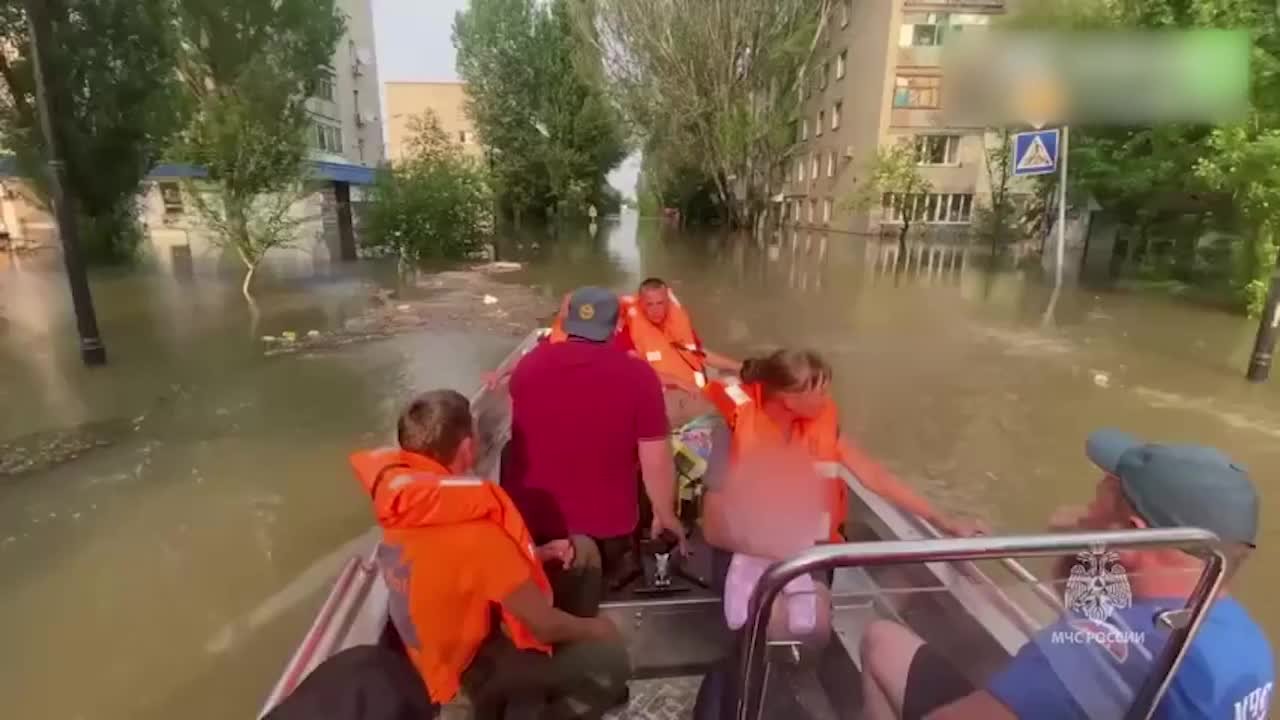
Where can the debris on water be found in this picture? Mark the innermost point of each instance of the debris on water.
(222, 412)
(313, 333)
(490, 300)
(499, 267)
(268, 338)
(1101, 379)
(289, 336)
(406, 307)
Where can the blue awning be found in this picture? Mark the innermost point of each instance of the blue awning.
(319, 170)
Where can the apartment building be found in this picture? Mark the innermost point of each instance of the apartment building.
(408, 100)
(346, 146)
(876, 79)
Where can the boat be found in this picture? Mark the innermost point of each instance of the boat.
(972, 599)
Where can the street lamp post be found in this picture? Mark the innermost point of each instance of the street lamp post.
(92, 351)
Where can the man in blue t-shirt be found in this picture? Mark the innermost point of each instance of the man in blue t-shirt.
(1091, 663)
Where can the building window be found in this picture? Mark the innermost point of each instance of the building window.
(804, 129)
(831, 164)
(328, 138)
(844, 12)
(822, 120)
(799, 169)
(826, 210)
(841, 61)
(324, 87)
(917, 91)
(835, 115)
(466, 137)
(931, 29)
(937, 149)
(813, 209)
(171, 196)
(930, 208)
(813, 167)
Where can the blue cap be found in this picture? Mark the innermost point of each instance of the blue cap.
(593, 314)
(1180, 485)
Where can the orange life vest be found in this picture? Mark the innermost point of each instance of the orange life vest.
(742, 408)
(421, 507)
(671, 349)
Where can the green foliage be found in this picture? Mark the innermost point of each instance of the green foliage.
(435, 203)
(111, 65)
(533, 87)
(719, 80)
(248, 67)
(1138, 173)
(893, 172)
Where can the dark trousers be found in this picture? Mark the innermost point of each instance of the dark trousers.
(578, 680)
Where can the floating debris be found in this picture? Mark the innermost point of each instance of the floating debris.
(490, 300)
(1101, 379)
(289, 336)
(313, 333)
(269, 338)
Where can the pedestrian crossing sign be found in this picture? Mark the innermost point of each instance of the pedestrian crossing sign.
(1036, 152)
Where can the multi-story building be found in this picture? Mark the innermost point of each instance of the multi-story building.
(346, 146)
(877, 79)
(409, 100)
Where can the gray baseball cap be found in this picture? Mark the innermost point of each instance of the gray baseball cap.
(1180, 485)
(593, 314)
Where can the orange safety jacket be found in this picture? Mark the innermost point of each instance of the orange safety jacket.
(742, 407)
(672, 349)
(411, 492)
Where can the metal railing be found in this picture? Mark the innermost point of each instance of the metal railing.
(829, 557)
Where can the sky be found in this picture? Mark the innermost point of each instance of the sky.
(415, 43)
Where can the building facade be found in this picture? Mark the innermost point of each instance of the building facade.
(409, 100)
(347, 145)
(877, 79)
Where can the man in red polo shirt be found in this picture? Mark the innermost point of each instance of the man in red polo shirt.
(586, 419)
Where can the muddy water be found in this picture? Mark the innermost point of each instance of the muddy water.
(161, 569)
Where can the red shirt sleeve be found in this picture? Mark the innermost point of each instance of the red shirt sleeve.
(651, 406)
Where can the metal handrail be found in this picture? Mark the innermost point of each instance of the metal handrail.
(829, 557)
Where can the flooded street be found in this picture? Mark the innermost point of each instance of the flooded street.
(170, 568)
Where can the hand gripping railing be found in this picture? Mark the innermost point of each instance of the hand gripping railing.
(828, 557)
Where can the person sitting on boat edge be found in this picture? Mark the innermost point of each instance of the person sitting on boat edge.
(588, 428)
(660, 331)
(468, 594)
(1065, 670)
(784, 399)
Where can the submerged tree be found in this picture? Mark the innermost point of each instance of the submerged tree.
(248, 67)
(112, 61)
(722, 78)
(435, 203)
(534, 94)
(895, 182)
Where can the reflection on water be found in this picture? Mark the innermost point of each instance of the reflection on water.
(160, 575)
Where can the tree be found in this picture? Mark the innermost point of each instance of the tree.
(435, 203)
(248, 67)
(894, 181)
(997, 219)
(721, 78)
(534, 95)
(112, 60)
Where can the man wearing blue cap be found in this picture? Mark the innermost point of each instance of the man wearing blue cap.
(1115, 601)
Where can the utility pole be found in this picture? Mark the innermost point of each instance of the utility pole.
(1268, 331)
(39, 25)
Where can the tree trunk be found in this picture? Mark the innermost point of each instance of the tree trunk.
(902, 238)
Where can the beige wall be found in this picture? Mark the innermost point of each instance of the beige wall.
(868, 118)
(406, 100)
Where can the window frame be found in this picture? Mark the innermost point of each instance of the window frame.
(927, 97)
(950, 150)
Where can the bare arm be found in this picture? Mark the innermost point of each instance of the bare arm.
(659, 475)
(880, 481)
(721, 362)
(551, 626)
(980, 705)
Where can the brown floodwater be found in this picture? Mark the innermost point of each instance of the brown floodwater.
(170, 567)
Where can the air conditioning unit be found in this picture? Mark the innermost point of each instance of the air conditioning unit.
(848, 152)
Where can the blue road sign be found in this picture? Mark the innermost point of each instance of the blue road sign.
(1035, 152)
